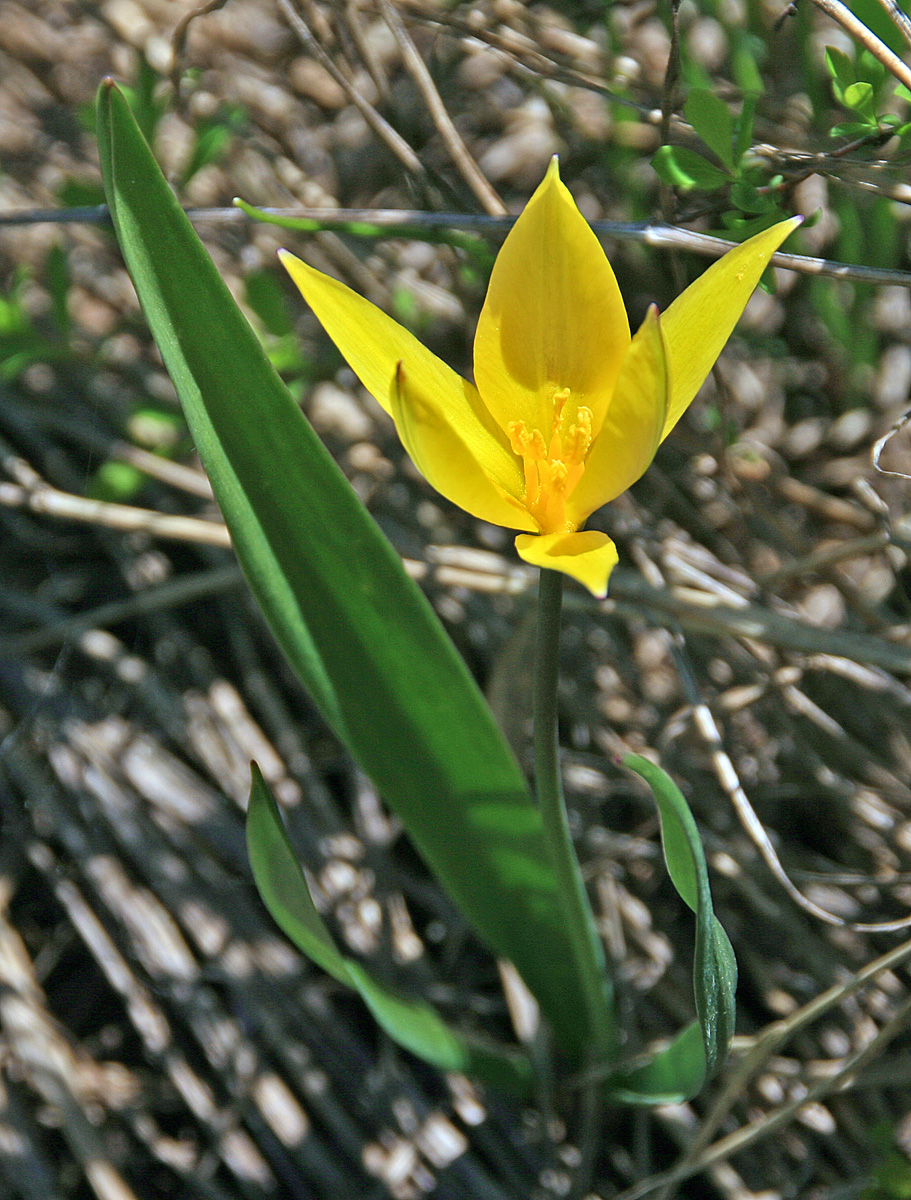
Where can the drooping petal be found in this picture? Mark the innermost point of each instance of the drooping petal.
(588, 556)
(701, 319)
(553, 317)
(632, 427)
(458, 458)
(373, 345)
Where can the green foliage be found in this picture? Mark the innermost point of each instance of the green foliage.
(679, 1071)
(753, 192)
(267, 300)
(116, 482)
(212, 138)
(476, 249)
(22, 341)
(360, 634)
(147, 99)
(413, 1023)
(863, 86)
(891, 1176)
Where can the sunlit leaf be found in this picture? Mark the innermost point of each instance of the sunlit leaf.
(360, 634)
(686, 169)
(411, 1022)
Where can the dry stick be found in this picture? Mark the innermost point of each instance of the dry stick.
(533, 60)
(828, 556)
(39, 497)
(727, 776)
(44, 1053)
(755, 830)
(774, 1036)
(179, 37)
(693, 1163)
(402, 222)
(366, 48)
(417, 69)
(483, 571)
(847, 20)
(176, 592)
(899, 19)
(380, 126)
(881, 443)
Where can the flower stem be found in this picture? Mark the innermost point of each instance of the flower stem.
(587, 947)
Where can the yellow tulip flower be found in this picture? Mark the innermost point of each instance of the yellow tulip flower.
(567, 409)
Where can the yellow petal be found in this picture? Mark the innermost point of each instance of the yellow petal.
(370, 341)
(373, 345)
(701, 319)
(459, 458)
(632, 427)
(588, 557)
(553, 317)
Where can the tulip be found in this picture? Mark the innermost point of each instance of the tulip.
(567, 409)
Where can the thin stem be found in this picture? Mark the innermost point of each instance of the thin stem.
(846, 19)
(588, 951)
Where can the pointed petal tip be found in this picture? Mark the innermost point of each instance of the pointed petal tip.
(588, 557)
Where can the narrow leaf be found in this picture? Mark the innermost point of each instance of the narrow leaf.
(681, 1068)
(412, 1023)
(362, 637)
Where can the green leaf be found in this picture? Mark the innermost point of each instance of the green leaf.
(852, 129)
(267, 300)
(712, 120)
(861, 98)
(413, 1023)
(360, 634)
(686, 169)
(841, 67)
(748, 54)
(678, 1072)
(744, 134)
(749, 199)
(475, 247)
(57, 275)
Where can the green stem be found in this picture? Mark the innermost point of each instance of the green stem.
(589, 952)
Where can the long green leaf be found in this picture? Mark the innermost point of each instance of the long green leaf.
(678, 1072)
(362, 637)
(414, 1024)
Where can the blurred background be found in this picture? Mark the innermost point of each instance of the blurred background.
(158, 1036)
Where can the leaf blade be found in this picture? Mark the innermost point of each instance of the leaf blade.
(359, 633)
(711, 118)
(680, 1069)
(414, 1024)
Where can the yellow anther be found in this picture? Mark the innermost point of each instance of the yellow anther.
(518, 437)
(552, 471)
(559, 402)
(524, 443)
(579, 437)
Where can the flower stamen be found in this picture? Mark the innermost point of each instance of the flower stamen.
(552, 472)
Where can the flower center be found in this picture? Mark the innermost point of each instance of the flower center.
(552, 471)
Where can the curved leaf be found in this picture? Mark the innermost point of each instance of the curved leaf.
(360, 634)
(679, 1071)
(413, 1023)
